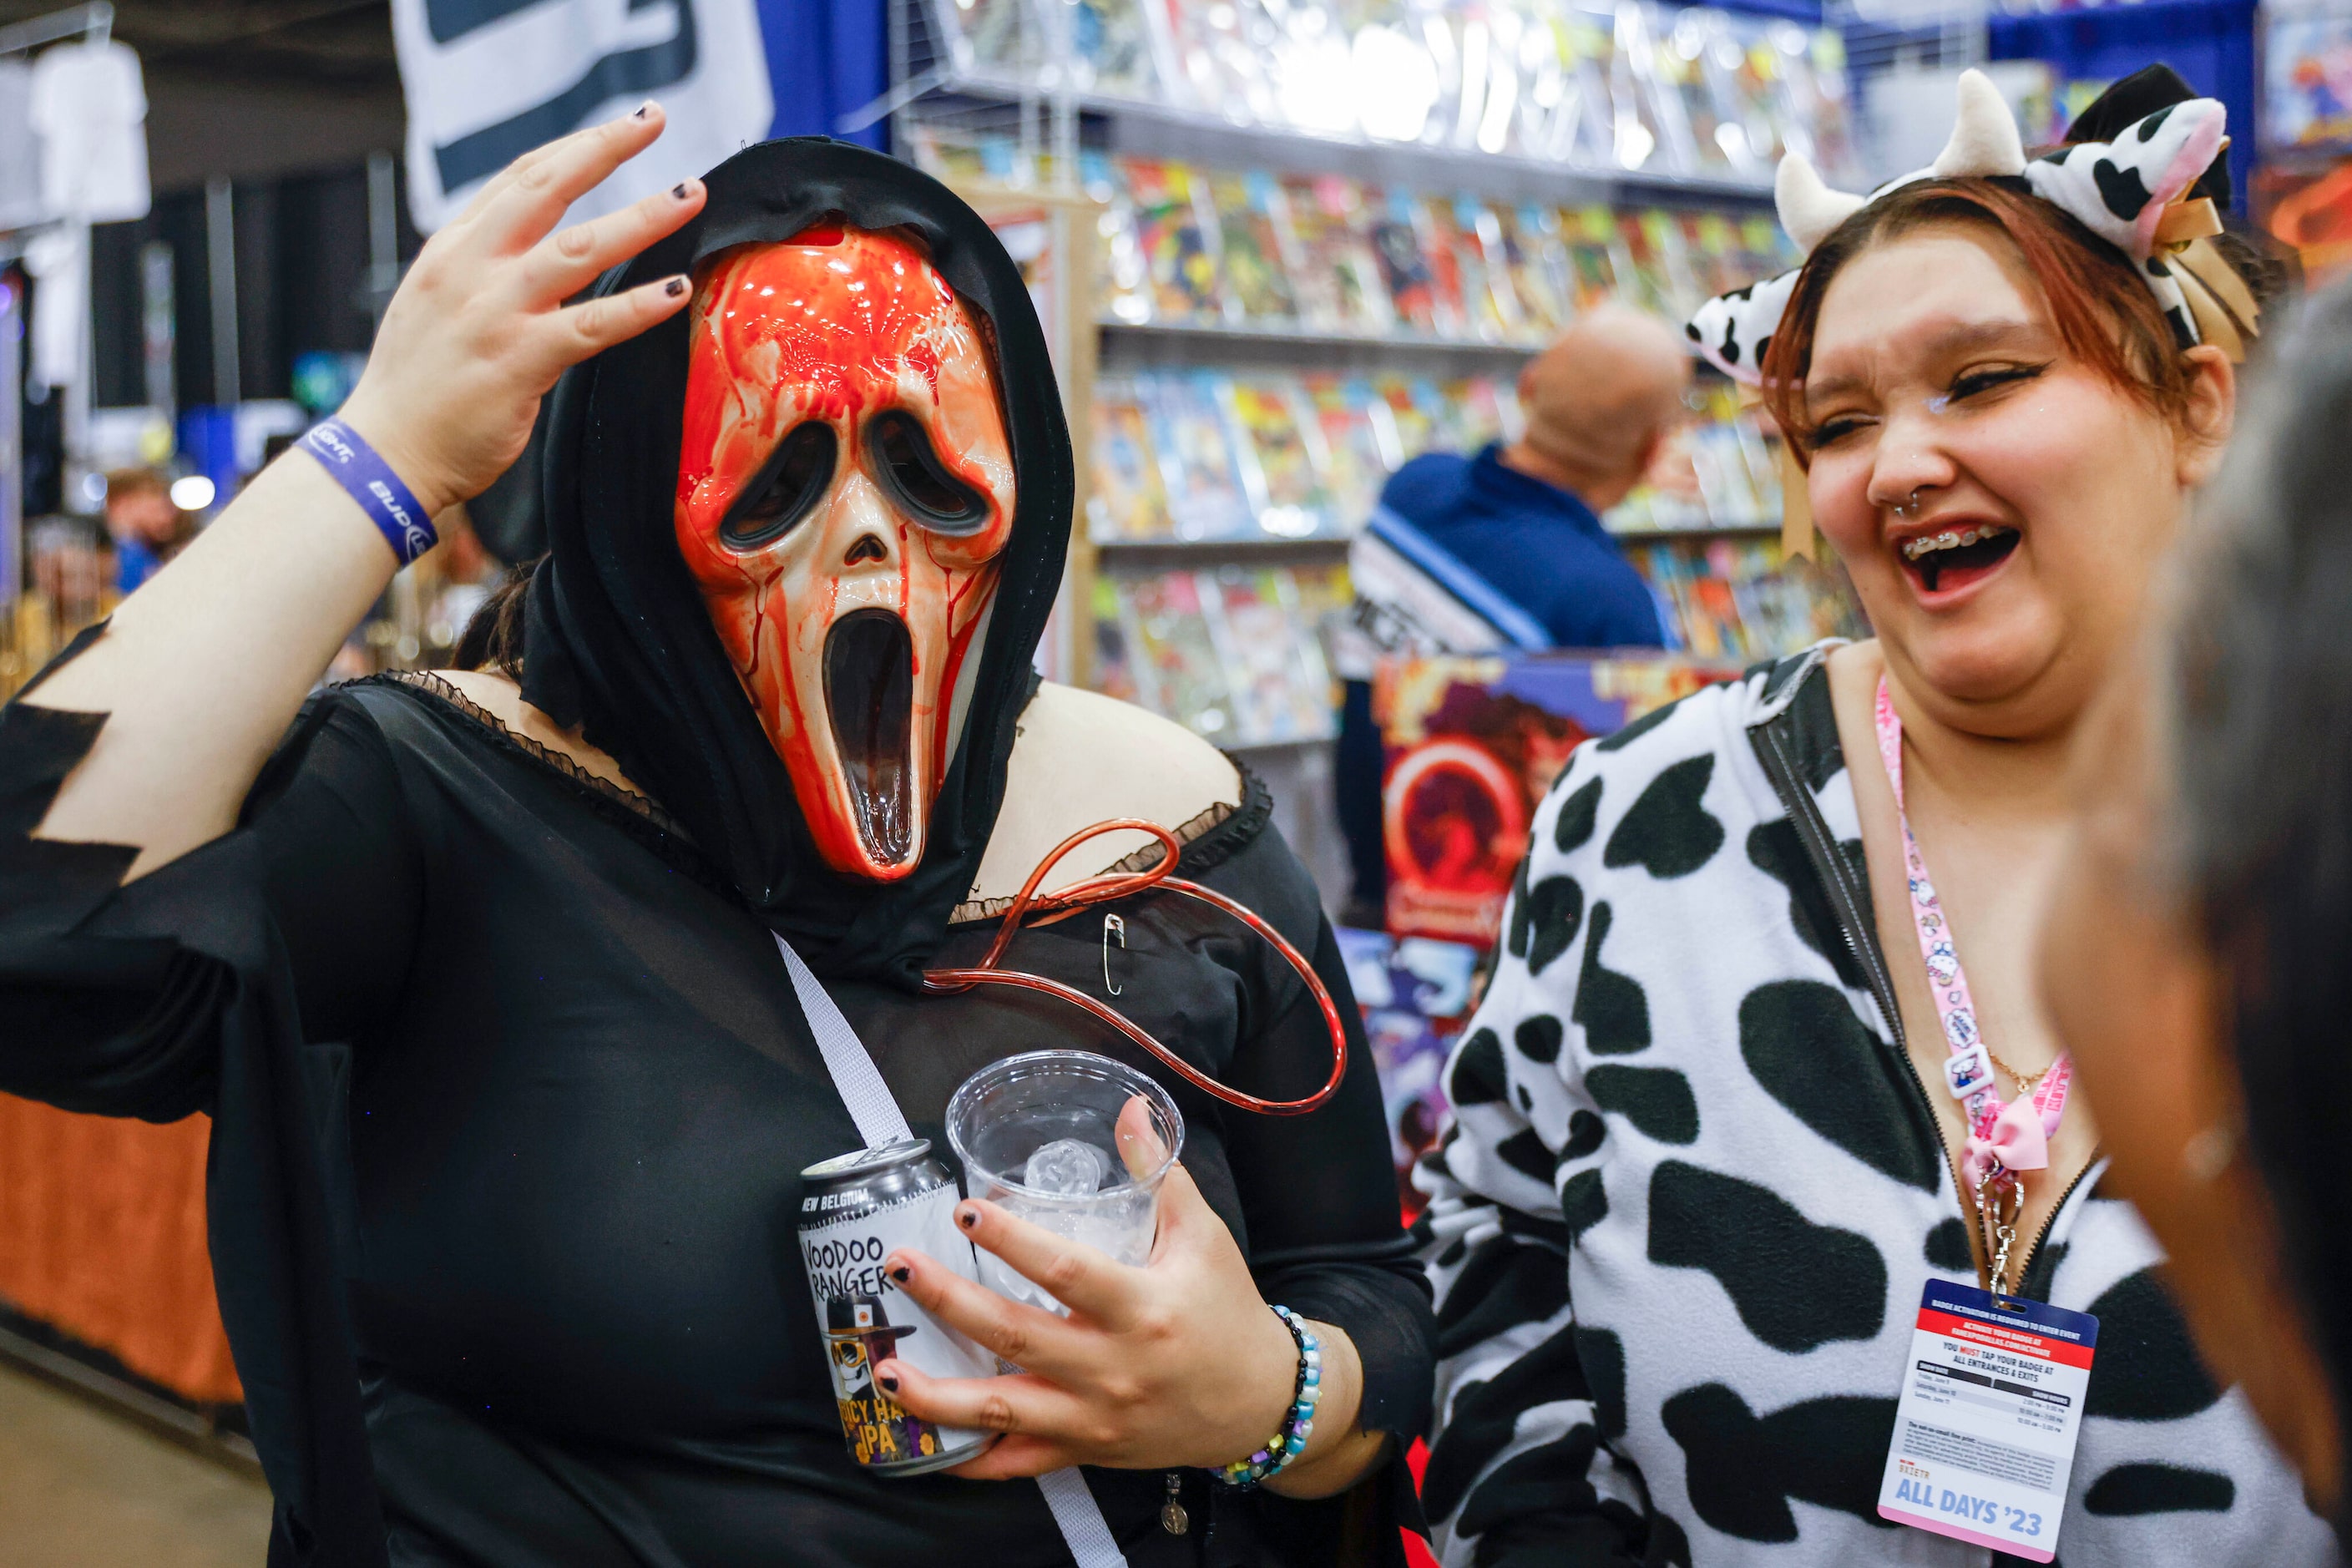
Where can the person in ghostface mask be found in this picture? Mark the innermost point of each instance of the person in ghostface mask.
(478, 973)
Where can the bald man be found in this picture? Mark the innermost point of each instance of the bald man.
(1526, 516)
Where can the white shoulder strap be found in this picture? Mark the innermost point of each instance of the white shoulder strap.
(879, 1121)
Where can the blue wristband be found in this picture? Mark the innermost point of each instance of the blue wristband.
(390, 504)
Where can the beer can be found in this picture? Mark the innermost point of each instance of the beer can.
(855, 1210)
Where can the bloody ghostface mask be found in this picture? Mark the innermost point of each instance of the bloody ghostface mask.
(844, 486)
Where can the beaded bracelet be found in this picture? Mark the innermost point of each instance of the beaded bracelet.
(1297, 1423)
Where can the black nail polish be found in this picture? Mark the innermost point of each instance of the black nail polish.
(643, 110)
(889, 1385)
(901, 1274)
(674, 287)
(678, 190)
(968, 1218)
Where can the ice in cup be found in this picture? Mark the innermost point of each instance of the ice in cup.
(1038, 1135)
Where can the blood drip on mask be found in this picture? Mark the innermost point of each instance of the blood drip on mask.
(848, 607)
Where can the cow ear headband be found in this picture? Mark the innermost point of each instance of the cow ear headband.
(2129, 192)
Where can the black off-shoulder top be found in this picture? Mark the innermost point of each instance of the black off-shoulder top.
(512, 1098)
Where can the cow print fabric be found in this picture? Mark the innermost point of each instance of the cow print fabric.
(2117, 190)
(1693, 1190)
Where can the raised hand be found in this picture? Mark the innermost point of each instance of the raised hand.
(479, 330)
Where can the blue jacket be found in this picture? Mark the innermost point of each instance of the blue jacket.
(1541, 547)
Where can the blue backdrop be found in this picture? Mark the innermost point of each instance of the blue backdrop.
(2210, 42)
(826, 59)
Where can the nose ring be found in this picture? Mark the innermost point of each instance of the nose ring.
(1909, 507)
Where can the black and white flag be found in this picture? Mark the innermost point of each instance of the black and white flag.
(488, 80)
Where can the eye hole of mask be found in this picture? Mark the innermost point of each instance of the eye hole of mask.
(787, 486)
(911, 471)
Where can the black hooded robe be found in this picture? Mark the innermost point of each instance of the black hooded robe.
(510, 1093)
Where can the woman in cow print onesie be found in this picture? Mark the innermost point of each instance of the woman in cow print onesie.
(1705, 1159)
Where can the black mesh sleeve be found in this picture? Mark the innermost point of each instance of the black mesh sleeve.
(112, 994)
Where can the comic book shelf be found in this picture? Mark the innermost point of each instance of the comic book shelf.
(1259, 314)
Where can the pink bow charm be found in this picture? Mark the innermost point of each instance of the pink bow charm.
(2019, 1142)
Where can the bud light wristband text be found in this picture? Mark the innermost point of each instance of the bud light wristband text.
(389, 504)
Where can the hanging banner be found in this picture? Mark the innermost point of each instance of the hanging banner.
(488, 80)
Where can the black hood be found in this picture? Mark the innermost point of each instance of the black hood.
(617, 640)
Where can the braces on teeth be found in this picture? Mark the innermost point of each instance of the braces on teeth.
(1950, 539)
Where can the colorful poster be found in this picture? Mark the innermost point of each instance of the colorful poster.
(1472, 745)
(2307, 80)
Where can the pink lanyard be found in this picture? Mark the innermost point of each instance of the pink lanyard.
(2002, 1139)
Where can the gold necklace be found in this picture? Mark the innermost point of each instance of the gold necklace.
(2026, 1081)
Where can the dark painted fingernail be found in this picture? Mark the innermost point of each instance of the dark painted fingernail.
(643, 110)
(678, 190)
(967, 1217)
(889, 1385)
(901, 1274)
(674, 287)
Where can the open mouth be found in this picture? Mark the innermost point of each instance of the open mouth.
(1957, 557)
(869, 693)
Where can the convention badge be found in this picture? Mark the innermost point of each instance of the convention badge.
(1990, 1411)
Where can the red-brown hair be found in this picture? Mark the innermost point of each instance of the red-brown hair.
(2105, 315)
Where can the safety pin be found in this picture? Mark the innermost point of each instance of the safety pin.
(1113, 926)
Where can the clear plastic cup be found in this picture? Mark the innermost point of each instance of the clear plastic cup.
(1066, 1104)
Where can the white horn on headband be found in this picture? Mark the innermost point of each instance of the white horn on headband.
(1809, 209)
(1984, 135)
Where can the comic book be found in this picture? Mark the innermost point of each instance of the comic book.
(1125, 499)
(1405, 268)
(1112, 44)
(1359, 463)
(1744, 68)
(1593, 251)
(1287, 460)
(1687, 115)
(1664, 238)
(1475, 419)
(1642, 279)
(1223, 71)
(1123, 275)
(1564, 111)
(1760, 251)
(1177, 236)
(1543, 274)
(1514, 418)
(1114, 673)
(1273, 668)
(1456, 258)
(1259, 250)
(1817, 116)
(1193, 442)
(1722, 487)
(1420, 415)
(1712, 249)
(1493, 227)
(1637, 124)
(1338, 280)
(1186, 681)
